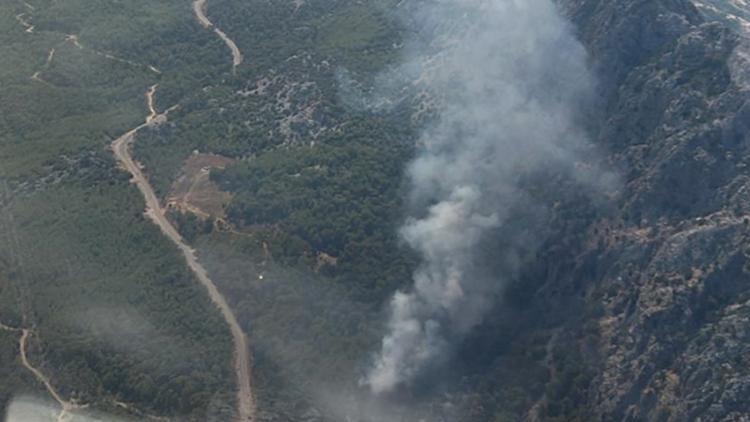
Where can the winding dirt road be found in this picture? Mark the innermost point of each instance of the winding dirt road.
(66, 407)
(154, 211)
(199, 7)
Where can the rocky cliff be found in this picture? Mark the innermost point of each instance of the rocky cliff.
(665, 275)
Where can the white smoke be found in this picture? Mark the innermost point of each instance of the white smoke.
(511, 79)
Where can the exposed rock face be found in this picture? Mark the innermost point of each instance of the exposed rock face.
(670, 269)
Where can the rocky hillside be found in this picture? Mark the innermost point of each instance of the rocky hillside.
(626, 305)
(665, 275)
(636, 307)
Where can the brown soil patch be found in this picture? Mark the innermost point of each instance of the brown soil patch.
(325, 260)
(194, 192)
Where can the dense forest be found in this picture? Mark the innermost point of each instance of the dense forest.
(308, 252)
(114, 314)
(296, 217)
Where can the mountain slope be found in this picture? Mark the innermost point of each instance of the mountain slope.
(632, 305)
(669, 268)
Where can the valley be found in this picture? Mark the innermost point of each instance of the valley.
(328, 211)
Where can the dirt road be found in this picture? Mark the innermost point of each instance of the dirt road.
(66, 406)
(199, 7)
(73, 39)
(154, 211)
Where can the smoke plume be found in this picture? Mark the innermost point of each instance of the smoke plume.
(510, 79)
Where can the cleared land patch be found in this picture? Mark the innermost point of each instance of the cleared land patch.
(195, 192)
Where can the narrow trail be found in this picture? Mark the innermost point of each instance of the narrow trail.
(73, 39)
(66, 407)
(199, 7)
(155, 212)
(37, 76)
(29, 28)
(150, 102)
(50, 56)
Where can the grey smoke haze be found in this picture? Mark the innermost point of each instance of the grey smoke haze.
(510, 79)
